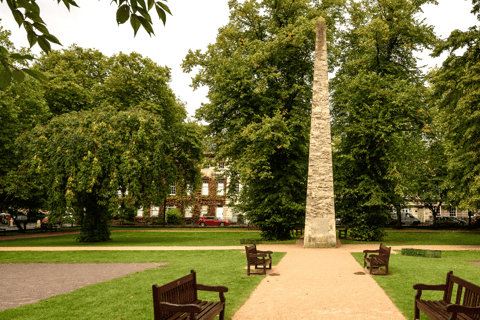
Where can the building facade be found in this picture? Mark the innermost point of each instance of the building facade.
(210, 200)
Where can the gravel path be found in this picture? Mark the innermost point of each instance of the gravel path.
(25, 283)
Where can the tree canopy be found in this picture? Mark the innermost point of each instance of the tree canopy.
(260, 73)
(456, 88)
(378, 98)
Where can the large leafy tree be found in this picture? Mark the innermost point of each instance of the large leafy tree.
(378, 97)
(22, 107)
(27, 14)
(83, 79)
(260, 73)
(456, 87)
(86, 159)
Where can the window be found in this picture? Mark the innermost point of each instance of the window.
(155, 211)
(221, 165)
(453, 212)
(205, 189)
(220, 187)
(219, 213)
(405, 210)
(204, 211)
(207, 166)
(173, 190)
(170, 207)
(189, 190)
(237, 188)
(188, 212)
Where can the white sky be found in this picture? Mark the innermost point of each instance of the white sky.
(194, 25)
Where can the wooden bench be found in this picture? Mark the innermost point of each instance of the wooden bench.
(258, 258)
(178, 300)
(445, 309)
(46, 226)
(378, 260)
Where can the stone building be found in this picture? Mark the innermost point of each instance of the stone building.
(209, 200)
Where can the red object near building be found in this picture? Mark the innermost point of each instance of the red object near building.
(212, 221)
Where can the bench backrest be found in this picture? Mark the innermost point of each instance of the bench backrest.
(384, 253)
(469, 291)
(180, 291)
(251, 251)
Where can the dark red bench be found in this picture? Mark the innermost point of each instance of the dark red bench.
(258, 258)
(375, 259)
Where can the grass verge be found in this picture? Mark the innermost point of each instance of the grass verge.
(146, 238)
(401, 238)
(130, 297)
(405, 271)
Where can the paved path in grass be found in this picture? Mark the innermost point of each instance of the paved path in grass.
(306, 283)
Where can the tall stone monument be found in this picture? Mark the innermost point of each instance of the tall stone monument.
(320, 214)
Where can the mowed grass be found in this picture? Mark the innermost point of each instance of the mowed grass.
(405, 271)
(130, 297)
(401, 238)
(146, 238)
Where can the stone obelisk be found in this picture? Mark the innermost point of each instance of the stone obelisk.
(320, 213)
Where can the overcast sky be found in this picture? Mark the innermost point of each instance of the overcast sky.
(194, 25)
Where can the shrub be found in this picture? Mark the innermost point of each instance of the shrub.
(174, 216)
(367, 233)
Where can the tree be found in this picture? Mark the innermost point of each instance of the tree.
(86, 159)
(260, 74)
(27, 15)
(377, 107)
(84, 79)
(22, 107)
(457, 90)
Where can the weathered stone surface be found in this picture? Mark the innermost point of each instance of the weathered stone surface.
(320, 214)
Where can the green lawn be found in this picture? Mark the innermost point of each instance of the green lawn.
(130, 297)
(405, 271)
(146, 238)
(401, 238)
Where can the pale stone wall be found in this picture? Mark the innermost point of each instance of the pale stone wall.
(320, 211)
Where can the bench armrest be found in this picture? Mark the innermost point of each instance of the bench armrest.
(219, 289)
(258, 255)
(371, 251)
(189, 308)
(267, 252)
(435, 287)
(455, 308)
(211, 288)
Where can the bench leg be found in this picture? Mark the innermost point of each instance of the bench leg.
(416, 313)
(222, 314)
(248, 269)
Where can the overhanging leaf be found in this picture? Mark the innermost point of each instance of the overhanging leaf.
(18, 76)
(36, 74)
(44, 44)
(161, 14)
(123, 13)
(5, 78)
(135, 23)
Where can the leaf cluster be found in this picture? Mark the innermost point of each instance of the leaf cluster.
(27, 15)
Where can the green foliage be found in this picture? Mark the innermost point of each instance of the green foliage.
(174, 217)
(22, 107)
(456, 86)
(260, 74)
(85, 158)
(378, 101)
(27, 15)
(363, 232)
